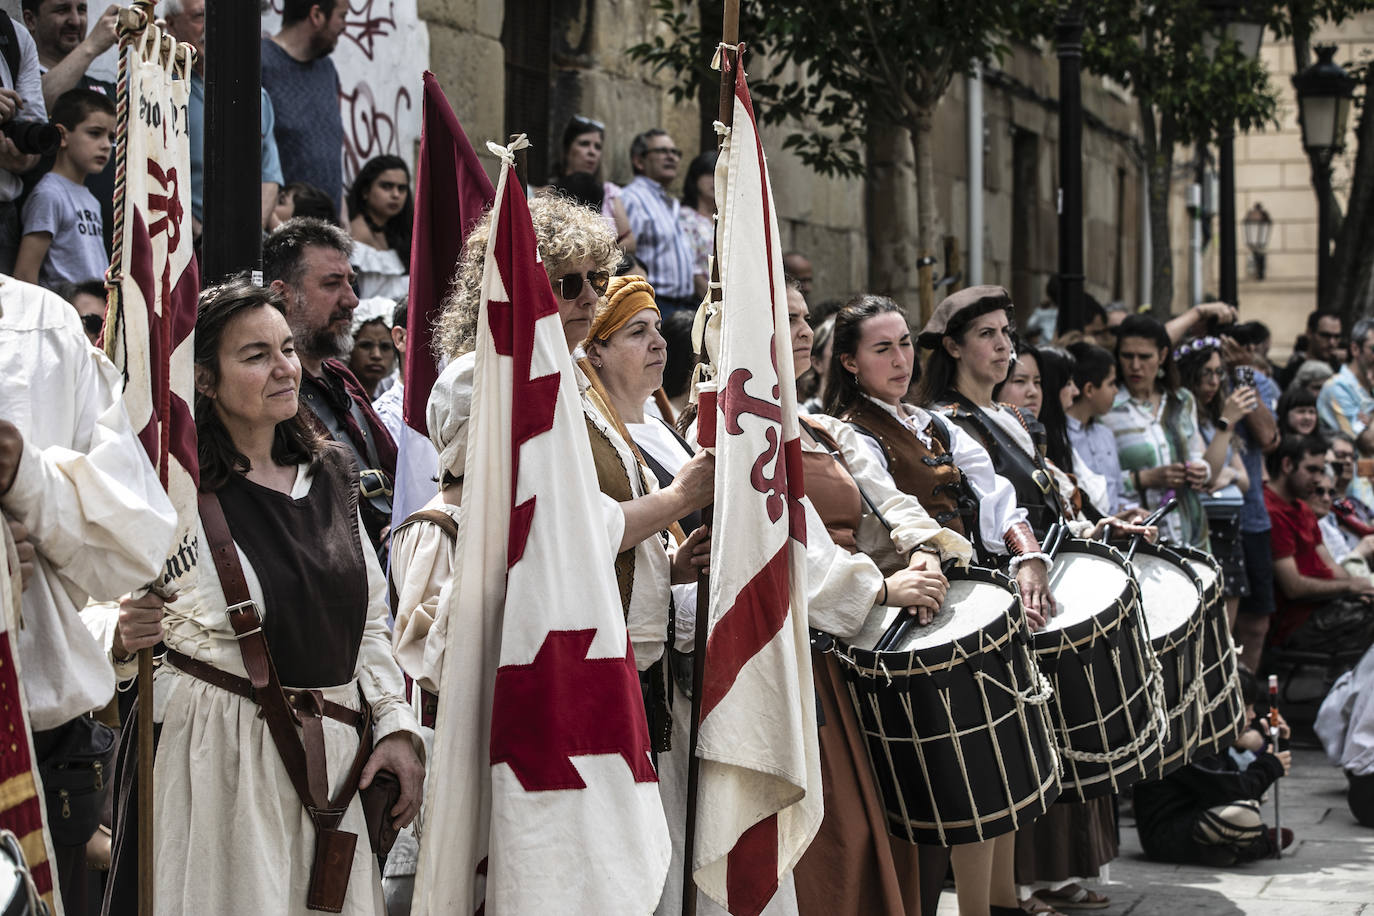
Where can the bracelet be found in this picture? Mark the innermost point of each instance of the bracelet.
(883, 599)
(1017, 560)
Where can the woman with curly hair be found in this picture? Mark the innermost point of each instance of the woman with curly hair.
(382, 216)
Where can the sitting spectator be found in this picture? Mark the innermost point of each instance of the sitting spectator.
(1322, 341)
(1345, 724)
(1312, 375)
(1346, 547)
(63, 235)
(88, 299)
(1094, 374)
(1208, 812)
(1297, 412)
(373, 358)
(1354, 492)
(660, 244)
(299, 76)
(303, 200)
(383, 214)
(1305, 572)
(583, 141)
(1346, 403)
(65, 54)
(698, 210)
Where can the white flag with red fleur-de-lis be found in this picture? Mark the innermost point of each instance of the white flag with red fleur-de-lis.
(759, 796)
(542, 796)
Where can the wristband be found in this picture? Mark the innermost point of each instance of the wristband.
(1223, 424)
(883, 599)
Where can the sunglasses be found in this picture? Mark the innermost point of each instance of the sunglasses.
(1323, 491)
(93, 324)
(570, 285)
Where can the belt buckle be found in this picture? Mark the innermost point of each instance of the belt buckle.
(373, 483)
(240, 607)
(1042, 480)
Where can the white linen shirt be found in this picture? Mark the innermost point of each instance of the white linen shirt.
(98, 518)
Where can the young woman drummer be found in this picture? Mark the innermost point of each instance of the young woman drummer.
(872, 363)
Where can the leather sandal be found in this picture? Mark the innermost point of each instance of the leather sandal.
(1074, 897)
(1034, 906)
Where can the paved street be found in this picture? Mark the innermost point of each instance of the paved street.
(1328, 871)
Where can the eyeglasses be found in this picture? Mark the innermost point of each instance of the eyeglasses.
(666, 150)
(93, 324)
(1217, 374)
(570, 285)
(1323, 491)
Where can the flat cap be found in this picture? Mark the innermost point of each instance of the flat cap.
(975, 300)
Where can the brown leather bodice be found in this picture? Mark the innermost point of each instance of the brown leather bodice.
(929, 474)
(615, 483)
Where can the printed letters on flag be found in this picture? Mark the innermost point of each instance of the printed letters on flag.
(759, 801)
(542, 797)
(149, 333)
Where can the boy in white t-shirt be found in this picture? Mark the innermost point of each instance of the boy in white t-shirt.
(63, 236)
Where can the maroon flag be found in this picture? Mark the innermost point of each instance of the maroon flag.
(451, 192)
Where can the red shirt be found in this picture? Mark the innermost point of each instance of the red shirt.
(1294, 533)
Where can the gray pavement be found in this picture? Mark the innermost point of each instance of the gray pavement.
(1328, 871)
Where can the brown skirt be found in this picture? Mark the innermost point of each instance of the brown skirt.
(853, 865)
(1071, 840)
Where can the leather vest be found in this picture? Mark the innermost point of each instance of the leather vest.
(1032, 481)
(615, 483)
(832, 492)
(929, 474)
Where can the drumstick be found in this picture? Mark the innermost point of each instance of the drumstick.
(1154, 518)
(1274, 744)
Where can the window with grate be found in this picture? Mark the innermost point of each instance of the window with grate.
(527, 40)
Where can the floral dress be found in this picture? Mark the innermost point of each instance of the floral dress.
(1149, 437)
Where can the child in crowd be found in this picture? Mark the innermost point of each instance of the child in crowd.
(1208, 812)
(63, 233)
(1094, 374)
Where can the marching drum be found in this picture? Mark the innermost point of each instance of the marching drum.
(1105, 679)
(1222, 715)
(954, 716)
(1171, 594)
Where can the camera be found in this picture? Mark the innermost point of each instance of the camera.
(33, 137)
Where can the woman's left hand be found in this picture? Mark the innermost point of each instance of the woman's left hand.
(692, 557)
(1033, 579)
(396, 753)
(1122, 528)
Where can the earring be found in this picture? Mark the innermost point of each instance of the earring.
(1160, 373)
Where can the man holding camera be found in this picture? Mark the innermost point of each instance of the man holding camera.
(21, 100)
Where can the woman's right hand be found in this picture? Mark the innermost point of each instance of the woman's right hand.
(697, 480)
(919, 591)
(1033, 581)
(140, 624)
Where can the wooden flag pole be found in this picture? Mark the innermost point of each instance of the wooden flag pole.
(729, 60)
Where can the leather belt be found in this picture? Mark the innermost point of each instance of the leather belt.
(300, 700)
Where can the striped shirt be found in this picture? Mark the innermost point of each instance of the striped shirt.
(660, 243)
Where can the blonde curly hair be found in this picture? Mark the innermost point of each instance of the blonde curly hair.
(568, 233)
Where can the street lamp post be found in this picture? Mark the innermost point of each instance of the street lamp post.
(1069, 37)
(1324, 94)
(1234, 23)
(1258, 224)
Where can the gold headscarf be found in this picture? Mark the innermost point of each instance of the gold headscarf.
(625, 297)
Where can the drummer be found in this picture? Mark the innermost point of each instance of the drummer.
(952, 476)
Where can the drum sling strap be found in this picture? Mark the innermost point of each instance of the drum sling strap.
(303, 753)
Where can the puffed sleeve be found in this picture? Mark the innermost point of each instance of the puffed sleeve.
(422, 557)
(94, 509)
(997, 507)
(911, 525)
(841, 585)
(379, 676)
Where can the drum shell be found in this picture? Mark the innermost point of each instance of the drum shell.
(1105, 659)
(1222, 716)
(960, 753)
(1179, 652)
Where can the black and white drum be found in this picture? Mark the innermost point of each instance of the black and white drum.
(954, 716)
(1100, 665)
(18, 896)
(1172, 597)
(1222, 715)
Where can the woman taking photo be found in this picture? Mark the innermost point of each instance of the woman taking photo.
(288, 501)
(1157, 437)
(382, 219)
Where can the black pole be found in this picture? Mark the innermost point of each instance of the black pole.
(1226, 213)
(1323, 175)
(1069, 36)
(232, 236)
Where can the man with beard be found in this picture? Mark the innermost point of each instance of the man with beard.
(306, 260)
(304, 86)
